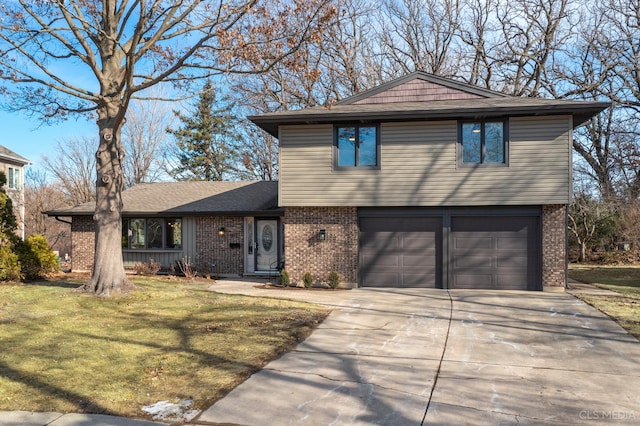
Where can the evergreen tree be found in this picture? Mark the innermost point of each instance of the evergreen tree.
(207, 140)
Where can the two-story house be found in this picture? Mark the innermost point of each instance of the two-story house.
(12, 165)
(420, 182)
(429, 182)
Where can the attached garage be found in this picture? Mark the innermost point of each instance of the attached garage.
(451, 248)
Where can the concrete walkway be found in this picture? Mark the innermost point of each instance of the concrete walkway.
(423, 356)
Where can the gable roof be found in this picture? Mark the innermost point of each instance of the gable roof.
(421, 96)
(8, 155)
(191, 198)
(420, 86)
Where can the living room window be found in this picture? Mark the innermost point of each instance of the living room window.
(152, 233)
(483, 142)
(356, 146)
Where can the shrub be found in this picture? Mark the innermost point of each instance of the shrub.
(307, 280)
(36, 257)
(284, 278)
(186, 269)
(149, 268)
(9, 265)
(333, 280)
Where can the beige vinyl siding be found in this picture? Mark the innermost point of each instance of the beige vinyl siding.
(419, 167)
(167, 257)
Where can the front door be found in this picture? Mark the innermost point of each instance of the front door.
(266, 244)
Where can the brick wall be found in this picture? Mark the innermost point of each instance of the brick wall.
(305, 252)
(554, 246)
(83, 239)
(212, 247)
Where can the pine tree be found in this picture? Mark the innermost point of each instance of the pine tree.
(207, 140)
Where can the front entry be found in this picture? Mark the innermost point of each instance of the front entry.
(266, 244)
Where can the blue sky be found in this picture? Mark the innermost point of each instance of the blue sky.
(22, 135)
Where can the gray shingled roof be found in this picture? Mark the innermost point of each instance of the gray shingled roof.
(7, 154)
(191, 198)
(437, 110)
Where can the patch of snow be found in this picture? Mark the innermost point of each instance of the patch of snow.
(171, 411)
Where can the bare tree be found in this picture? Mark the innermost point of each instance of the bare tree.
(478, 40)
(145, 140)
(123, 48)
(72, 165)
(41, 196)
(259, 151)
(419, 35)
(534, 32)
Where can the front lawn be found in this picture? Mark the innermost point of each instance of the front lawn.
(67, 351)
(624, 309)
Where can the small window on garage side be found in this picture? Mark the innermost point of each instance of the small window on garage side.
(483, 142)
(357, 146)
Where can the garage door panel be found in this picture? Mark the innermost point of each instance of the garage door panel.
(419, 279)
(471, 242)
(418, 241)
(477, 280)
(510, 282)
(515, 262)
(382, 279)
(381, 241)
(510, 243)
(469, 261)
(418, 261)
(381, 261)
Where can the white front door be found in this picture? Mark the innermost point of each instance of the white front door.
(266, 244)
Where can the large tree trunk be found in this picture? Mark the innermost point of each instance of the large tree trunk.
(108, 268)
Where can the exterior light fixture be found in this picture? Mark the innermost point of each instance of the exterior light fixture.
(322, 235)
(221, 231)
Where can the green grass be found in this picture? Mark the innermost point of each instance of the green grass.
(624, 309)
(67, 351)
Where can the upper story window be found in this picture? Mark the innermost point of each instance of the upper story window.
(13, 178)
(483, 142)
(357, 146)
(152, 233)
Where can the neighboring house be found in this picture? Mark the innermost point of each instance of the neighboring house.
(13, 165)
(420, 182)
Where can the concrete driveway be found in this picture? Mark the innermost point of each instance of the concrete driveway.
(423, 356)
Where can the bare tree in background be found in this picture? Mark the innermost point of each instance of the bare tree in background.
(123, 48)
(420, 34)
(259, 152)
(41, 195)
(145, 140)
(72, 163)
(534, 32)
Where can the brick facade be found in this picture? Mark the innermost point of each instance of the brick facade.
(554, 246)
(305, 252)
(212, 247)
(83, 243)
